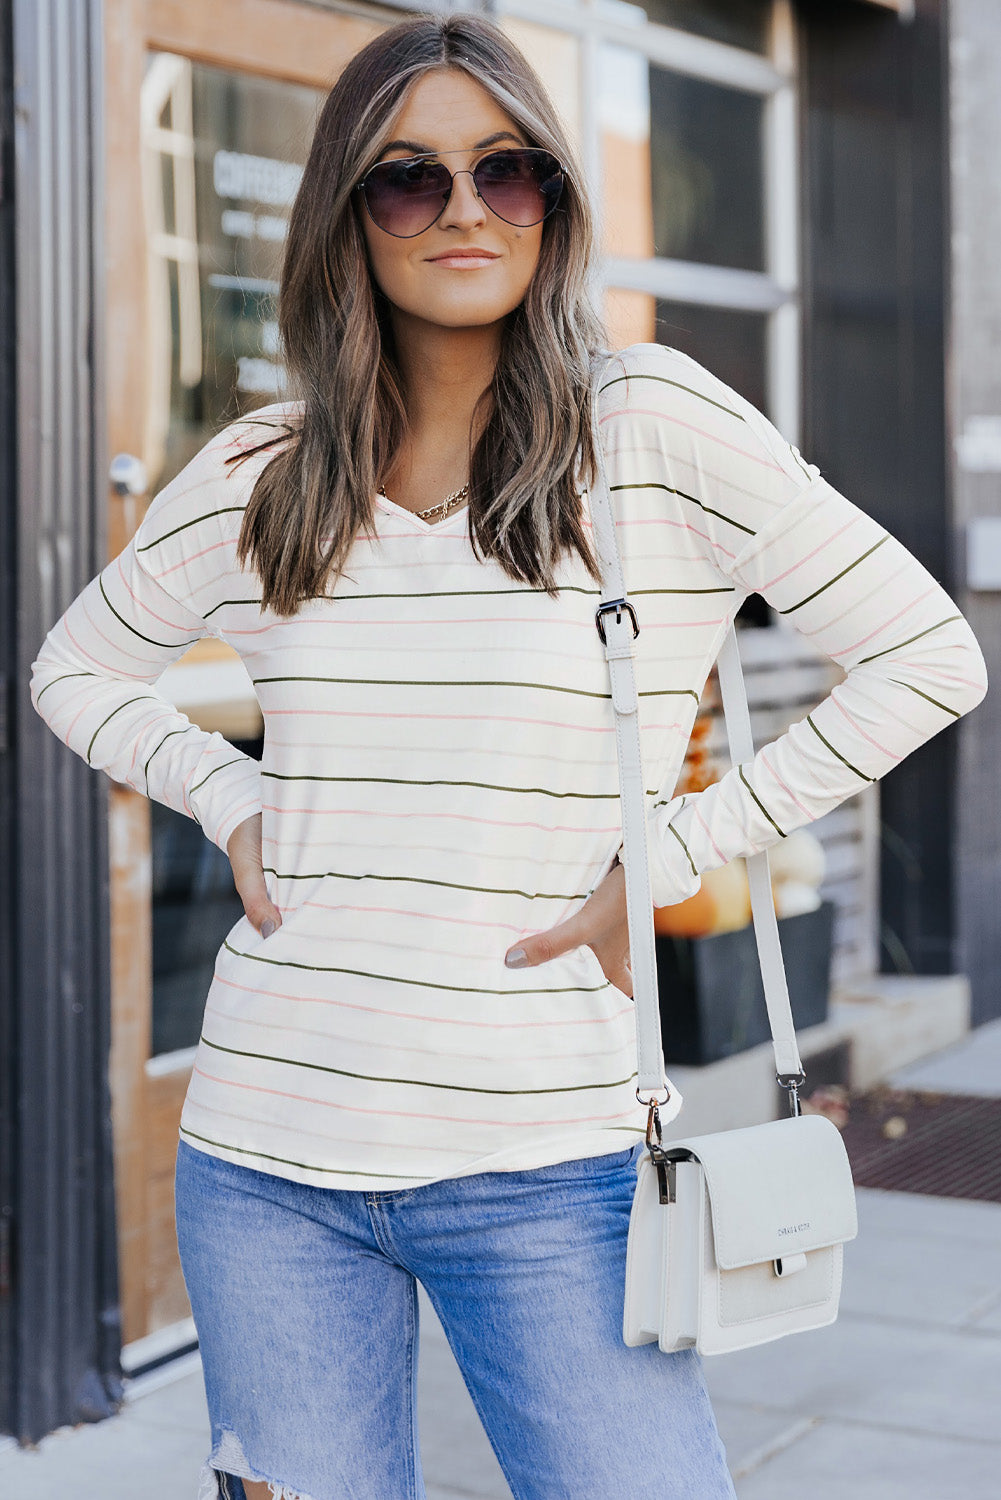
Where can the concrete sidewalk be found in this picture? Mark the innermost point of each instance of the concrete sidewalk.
(898, 1400)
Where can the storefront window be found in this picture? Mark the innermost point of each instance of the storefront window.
(740, 23)
(731, 344)
(223, 154)
(706, 172)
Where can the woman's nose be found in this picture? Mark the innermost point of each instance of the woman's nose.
(464, 206)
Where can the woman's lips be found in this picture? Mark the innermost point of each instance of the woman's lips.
(463, 261)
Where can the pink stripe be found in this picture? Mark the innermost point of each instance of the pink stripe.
(402, 911)
(345, 621)
(187, 561)
(84, 693)
(368, 812)
(408, 1015)
(233, 819)
(170, 624)
(117, 649)
(374, 747)
(835, 699)
(397, 1045)
(670, 459)
(885, 625)
(718, 851)
(102, 665)
(409, 1114)
(946, 676)
(853, 608)
(222, 749)
(638, 411)
(326, 713)
(808, 557)
(319, 1135)
(785, 787)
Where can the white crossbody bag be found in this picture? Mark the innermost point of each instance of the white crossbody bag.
(735, 1238)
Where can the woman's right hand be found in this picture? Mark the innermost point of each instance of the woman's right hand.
(244, 851)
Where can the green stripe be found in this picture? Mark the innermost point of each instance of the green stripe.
(663, 803)
(677, 835)
(486, 786)
(223, 510)
(830, 747)
(725, 588)
(166, 737)
(887, 649)
(287, 1161)
(163, 645)
(64, 678)
(653, 484)
(474, 593)
(417, 1083)
(689, 390)
(834, 580)
(424, 594)
(424, 984)
(544, 687)
(100, 726)
(435, 682)
(943, 706)
(217, 768)
(761, 805)
(449, 885)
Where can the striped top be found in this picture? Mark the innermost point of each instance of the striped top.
(440, 778)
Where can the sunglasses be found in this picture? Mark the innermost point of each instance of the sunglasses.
(406, 196)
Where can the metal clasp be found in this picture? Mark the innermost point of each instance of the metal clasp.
(792, 1083)
(665, 1166)
(618, 605)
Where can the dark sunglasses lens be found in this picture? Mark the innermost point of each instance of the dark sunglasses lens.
(406, 197)
(521, 187)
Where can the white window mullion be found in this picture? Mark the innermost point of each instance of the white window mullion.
(782, 250)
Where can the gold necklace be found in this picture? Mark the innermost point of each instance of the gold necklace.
(444, 505)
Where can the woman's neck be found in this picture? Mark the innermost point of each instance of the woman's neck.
(444, 373)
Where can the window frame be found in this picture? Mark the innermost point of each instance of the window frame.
(775, 291)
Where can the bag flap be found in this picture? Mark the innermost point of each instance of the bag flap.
(776, 1189)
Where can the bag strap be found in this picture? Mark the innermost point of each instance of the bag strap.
(618, 626)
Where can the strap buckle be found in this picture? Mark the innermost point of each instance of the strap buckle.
(618, 605)
(792, 1082)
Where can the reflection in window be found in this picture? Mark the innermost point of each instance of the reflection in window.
(223, 154)
(741, 23)
(707, 172)
(730, 344)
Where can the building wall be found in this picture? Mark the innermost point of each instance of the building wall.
(974, 381)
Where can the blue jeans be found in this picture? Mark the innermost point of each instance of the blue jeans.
(305, 1302)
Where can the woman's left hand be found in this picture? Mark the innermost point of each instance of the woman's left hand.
(600, 923)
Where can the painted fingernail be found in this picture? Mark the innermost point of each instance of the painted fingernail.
(267, 928)
(516, 959)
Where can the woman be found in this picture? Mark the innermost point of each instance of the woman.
(417, 1059)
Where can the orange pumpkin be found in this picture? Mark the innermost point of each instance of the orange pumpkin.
(721, 904)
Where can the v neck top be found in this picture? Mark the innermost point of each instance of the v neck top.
(439, 775)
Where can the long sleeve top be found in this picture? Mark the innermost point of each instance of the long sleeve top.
(439, 774)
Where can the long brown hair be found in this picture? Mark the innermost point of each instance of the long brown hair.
(336, 339)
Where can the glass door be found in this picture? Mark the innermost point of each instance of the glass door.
(208, 127)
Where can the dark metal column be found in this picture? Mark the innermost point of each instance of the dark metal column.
(875, 244)
(63, 1302)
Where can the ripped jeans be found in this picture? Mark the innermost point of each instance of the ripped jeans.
(305, 1303)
